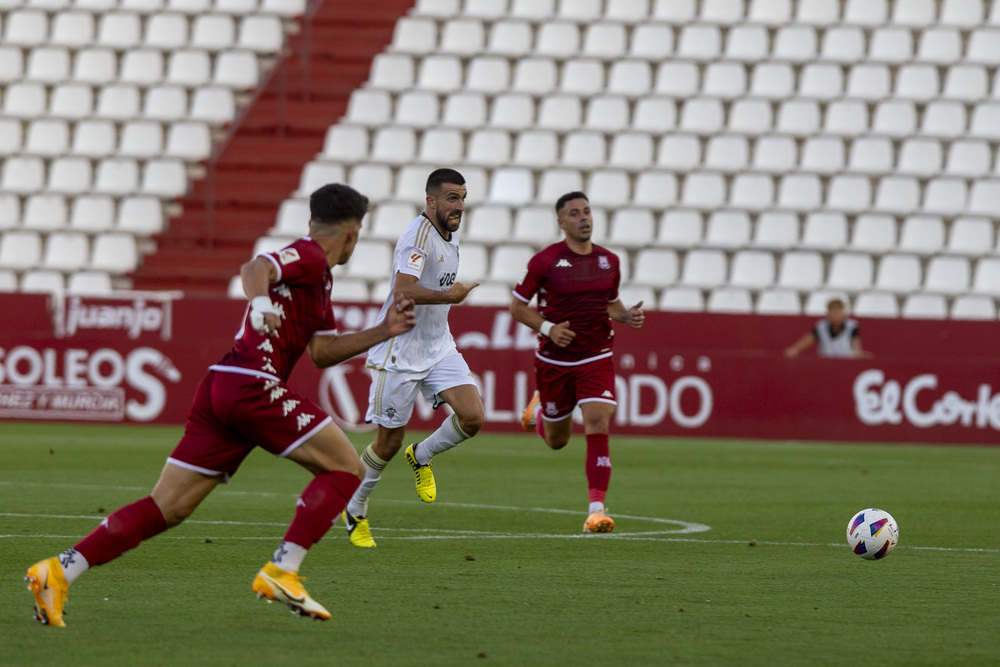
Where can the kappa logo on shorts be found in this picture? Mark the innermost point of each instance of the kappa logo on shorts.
(288, 406)
(607, 394)
(303, 420)
(266, 346)
(550, 408)
(283, 290)
(277, 393)
(563, 263)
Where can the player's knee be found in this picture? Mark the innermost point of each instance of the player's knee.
(556, 441)
(470, 424)
(174, 516)
(356, 468)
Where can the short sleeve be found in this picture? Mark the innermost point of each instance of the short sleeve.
(412, 261)
(532, 280)
(302, 261)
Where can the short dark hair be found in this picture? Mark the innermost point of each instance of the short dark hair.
(576, 194)
(835, 303)
(439, 177)
(337, 202)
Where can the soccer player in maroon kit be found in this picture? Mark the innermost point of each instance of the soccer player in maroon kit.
(577, 286)
(244, 402)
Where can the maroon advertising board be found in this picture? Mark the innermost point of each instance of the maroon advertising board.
(138, 358)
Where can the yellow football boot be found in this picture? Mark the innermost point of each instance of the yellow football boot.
(47, 582)
(426, 488)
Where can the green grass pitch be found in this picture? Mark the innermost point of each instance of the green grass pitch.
(497, 571)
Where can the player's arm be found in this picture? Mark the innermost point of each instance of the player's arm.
(407, 287)
(801, 344)
(634, 317)
(856, 348)
(333, 349)
(560, 334)
(257, 276)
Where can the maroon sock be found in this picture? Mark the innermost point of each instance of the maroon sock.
(122, 531)
(598, 466)
(319, 506)
(539, 422)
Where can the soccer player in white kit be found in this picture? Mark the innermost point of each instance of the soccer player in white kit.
(424, 359)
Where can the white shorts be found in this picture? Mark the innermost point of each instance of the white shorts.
(393, 393)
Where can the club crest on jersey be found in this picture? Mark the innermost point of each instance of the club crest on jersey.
(603, 262)
(288, 255)
(415, 261)
(562, 263)
(550, 408)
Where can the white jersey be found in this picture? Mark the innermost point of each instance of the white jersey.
(840, 344)
(421, 252)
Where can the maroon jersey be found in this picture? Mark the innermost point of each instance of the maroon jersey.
(301, 295)
(576, 289)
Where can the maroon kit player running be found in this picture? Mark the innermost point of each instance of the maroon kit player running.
(244, 402)
(577, 286)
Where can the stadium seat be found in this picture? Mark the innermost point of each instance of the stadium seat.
(984, 121)
(948, 275)
(556, 182)
(212, 104)
(390, 220)
(441, 145)
(655, 189)
(485, 9)
(559, 39)
(538, 76)
(533, 9)
(898, 273)
(778, 302)
(986, 278)
(66, 251)
(822, 81)
(973, 307)
(584, 149)
(677, 79)
(970, 236)
(800, 270)
(165, 177)
(536, 225)
(48, 64)
(560, 112)
(143, 67)
(491, 294)
(772, 80)
(843, 44)
(750, 116)
(24, 100)
(825, 231)
(346, 143)
(140, 215)
(679, 152)
(464, 110)
(984, 47)
(704, 190)
(119, 30)
(747, 43)
(800, 192)
(651, 41)
(824, 155)
(20, 250)
(440, 73)
(925, 307)
(961, 13)
(968, 158)
(73, 29)
(89, 283)
(392, 71)
(116, 176)
(488, 223)
(375, 180)
(348, 290)
(919, 157)
(632, 228)
(794, 43)
(702, 115)
(752, 192)
(704, 268)
(512, 185)
(95, 65)
(967, 83)
(775, 153)
(776, 230)
(631, 150)
(11, 64)
(260, 33)
(44, 212)
(984, 197)
(947, 119)
(798, 117)
(922, 235)
(939, 45)
(682, 299)
(376, 260)
(394, 145)
(70, 175)
(510, 38)
(699, 42)
(752, 269)
(47, 137)
(414, 35)
(871, 155)
(866, 12)
(141, 138)
(895, 118)
(724, 79)
(634, 78)
(536, 148)
(94, 138)
(611, 112)
(167, 31)
(293, 218)
(514, 111)
(944, 196)
(656, 267)
(851, 271)
(579, 77)
(509, 262)
(846, 118)
(892, 45)
(166, 102)
(874, 233)
(26, 27)
(729, 300)
(10, 210)
(45, 281)
(22, 174)
(118, 102)
(897, 194)
(611, 188)
(816, 301)
(727, 152)
(876, 304)
(92, 213)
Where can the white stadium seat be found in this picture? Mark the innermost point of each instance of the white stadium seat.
(778, 302)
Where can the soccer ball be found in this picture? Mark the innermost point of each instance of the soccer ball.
(872, 533)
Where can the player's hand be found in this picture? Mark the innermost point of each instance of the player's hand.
(458, 291)
(264, 316)
(561, 334)
(634, 317)
(400, 317)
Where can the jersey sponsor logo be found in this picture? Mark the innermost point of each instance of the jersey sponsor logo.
(603, 262)
(415, 261)
(303, 420)
(563, 263)
(288, 255)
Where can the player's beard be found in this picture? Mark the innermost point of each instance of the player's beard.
(446, 224)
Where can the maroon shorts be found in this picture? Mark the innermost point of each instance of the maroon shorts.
(233, 413)
(561, 388)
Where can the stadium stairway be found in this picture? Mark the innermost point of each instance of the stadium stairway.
(256, 167)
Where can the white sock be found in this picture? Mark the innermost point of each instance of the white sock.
(448, 435)
(73, 564)
(374, 465)
(289, 556)
(597, 506)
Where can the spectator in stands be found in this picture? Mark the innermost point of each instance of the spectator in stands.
(576, 282)
(837, 335)
(244, 402)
